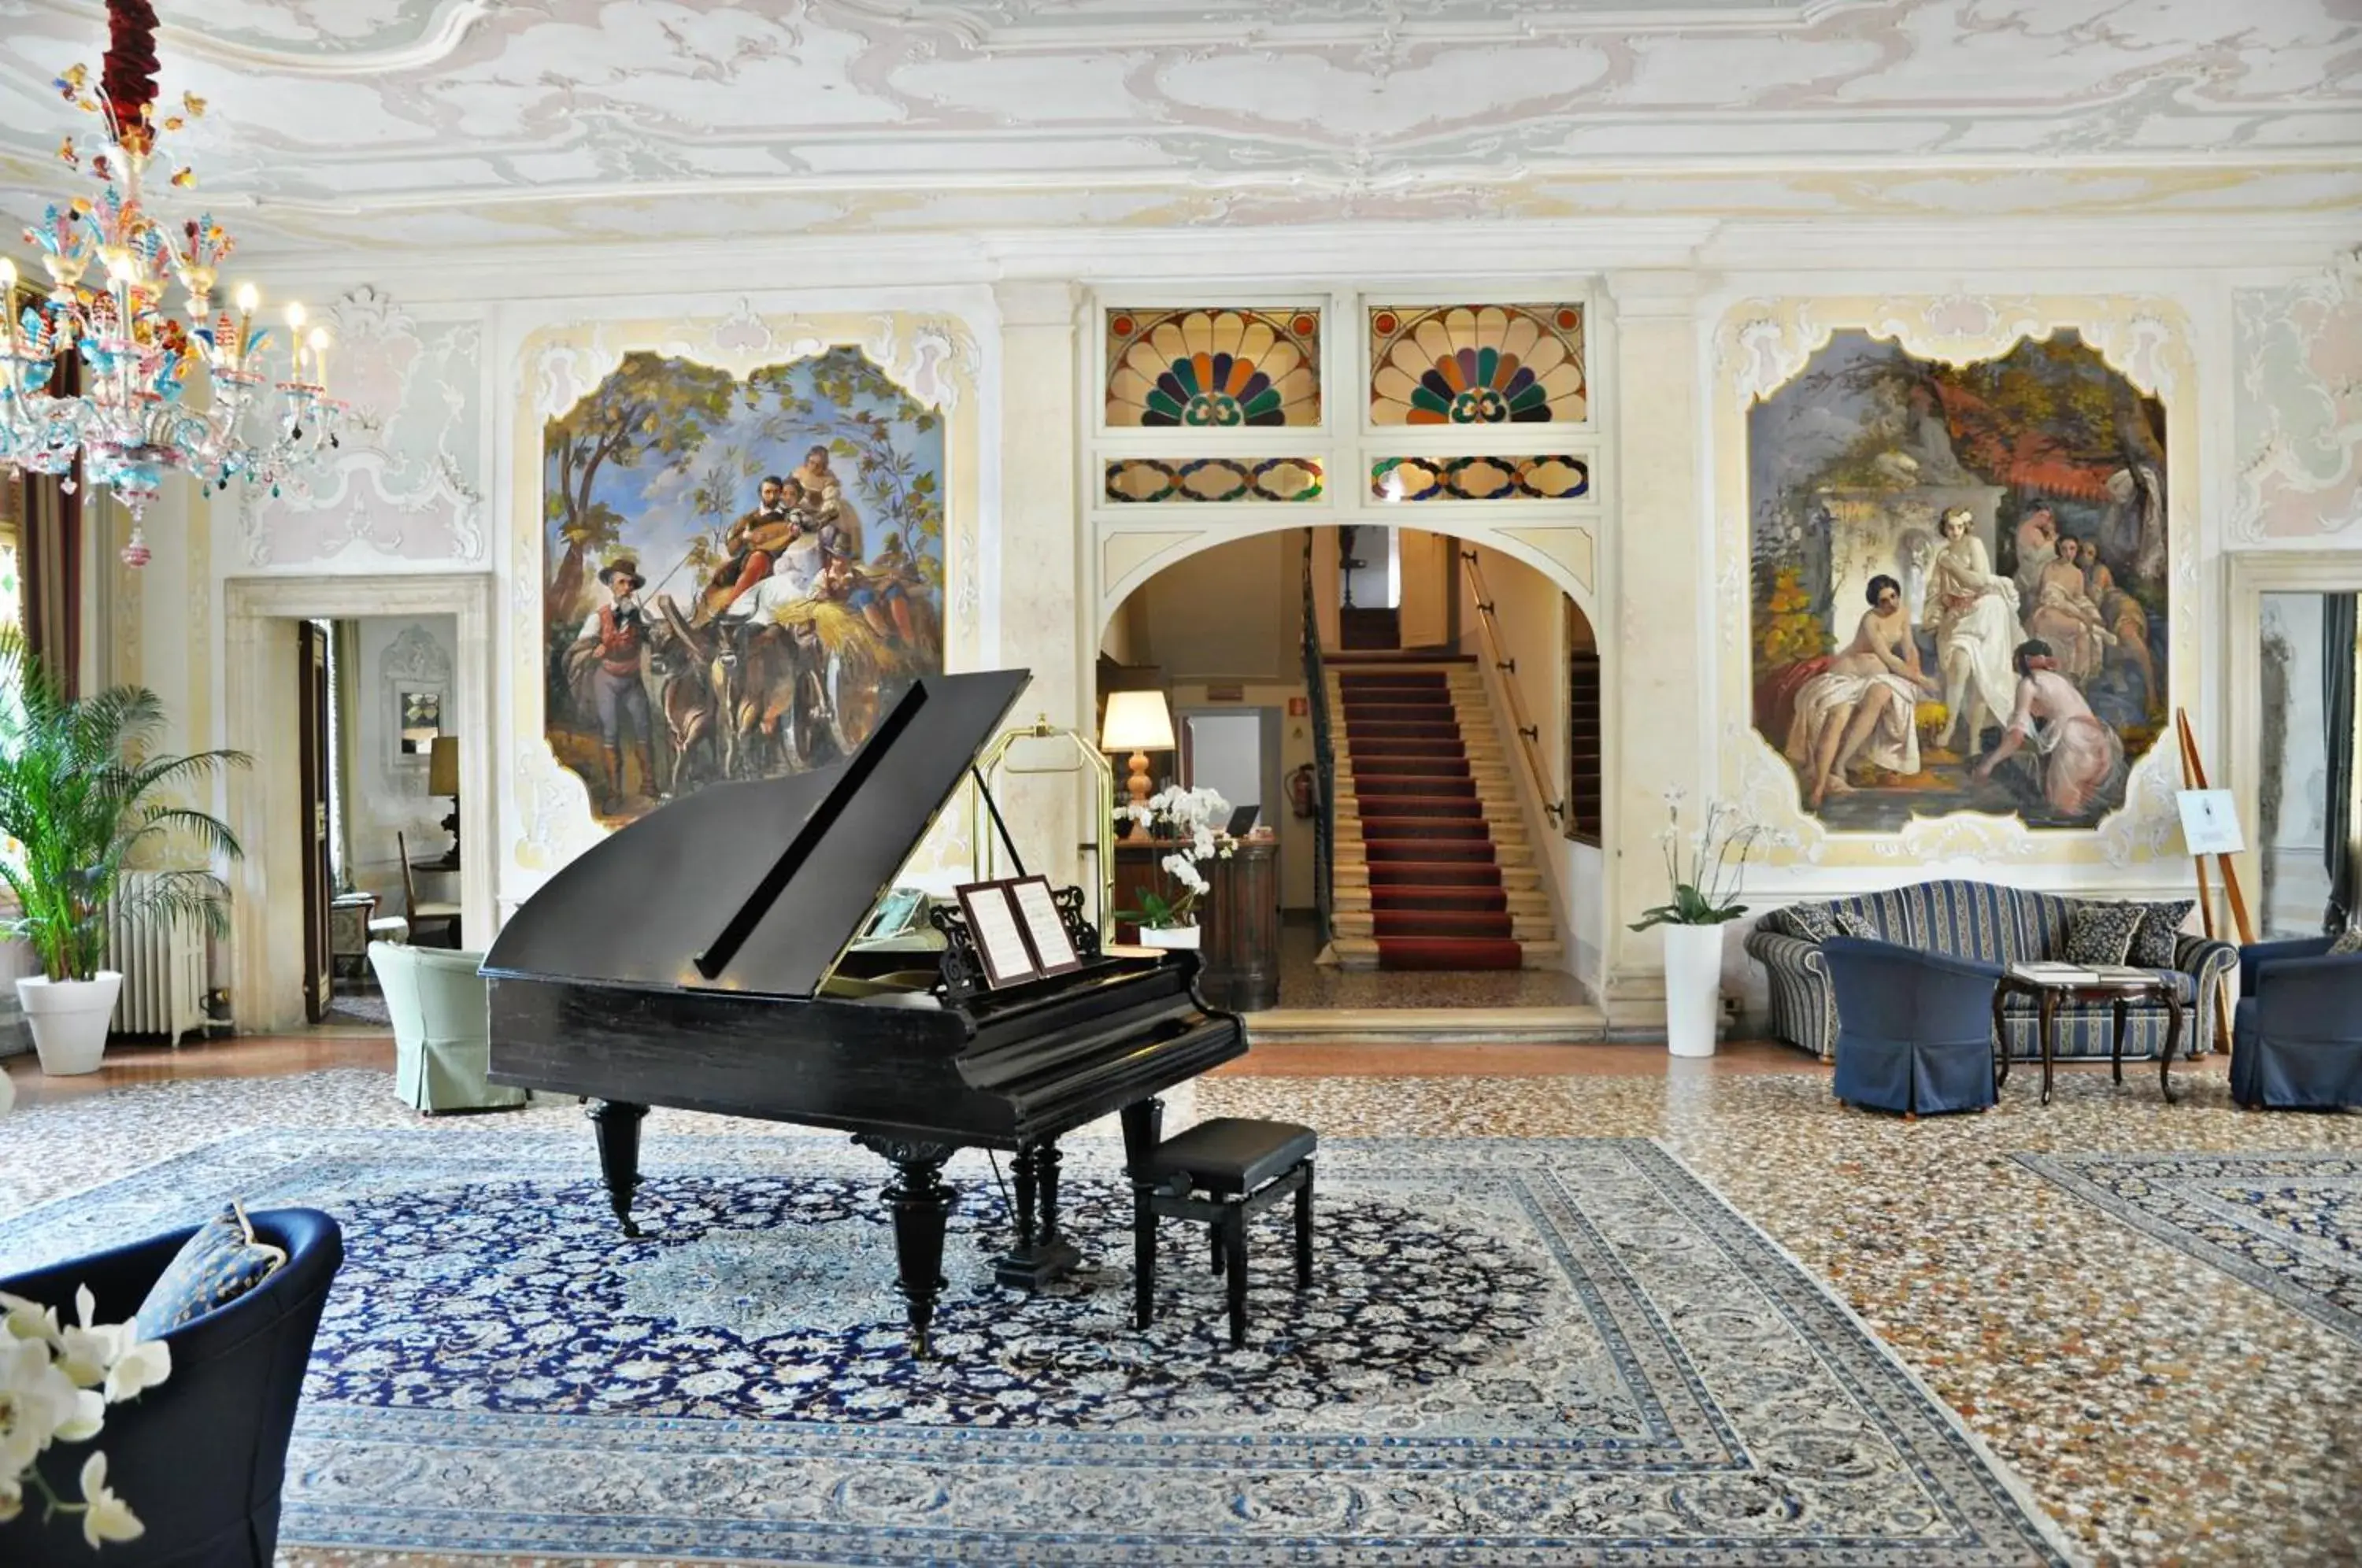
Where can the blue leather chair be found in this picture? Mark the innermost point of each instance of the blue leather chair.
(2296, 1039)
(1914, 1030)
(199, 1458)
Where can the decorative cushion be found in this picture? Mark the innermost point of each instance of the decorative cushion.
(2102, 933)
(1814, 922)
(221, 1263)
(2348, 941)
(1848, 923)
(2159, 930)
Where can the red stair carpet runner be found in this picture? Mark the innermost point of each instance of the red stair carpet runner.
(1435, 891)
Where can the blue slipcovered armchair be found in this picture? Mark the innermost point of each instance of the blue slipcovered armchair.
(2296, 1037)
(199, 1458)
(1914, 1030)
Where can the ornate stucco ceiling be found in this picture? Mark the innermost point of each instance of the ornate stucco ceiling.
(442, 123)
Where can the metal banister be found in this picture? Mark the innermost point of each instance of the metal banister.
(1528, 732)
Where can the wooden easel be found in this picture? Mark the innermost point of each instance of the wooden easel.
(2193, 777)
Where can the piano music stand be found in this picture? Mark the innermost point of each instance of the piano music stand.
(983, 841)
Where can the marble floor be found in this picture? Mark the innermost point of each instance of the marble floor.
(2161, 1411)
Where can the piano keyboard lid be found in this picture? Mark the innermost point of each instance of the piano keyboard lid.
(757, 886)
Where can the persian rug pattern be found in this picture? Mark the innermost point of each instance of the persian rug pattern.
(2289, 1224)
(1517, 1351)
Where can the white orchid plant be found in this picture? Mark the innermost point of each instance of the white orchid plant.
(56, 1383)
(1705, 883)
(1188, 817)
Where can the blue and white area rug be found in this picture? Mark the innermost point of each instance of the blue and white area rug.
(2290, 1224)
(1515, 1352)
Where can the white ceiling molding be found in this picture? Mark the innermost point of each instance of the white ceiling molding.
(449, 125)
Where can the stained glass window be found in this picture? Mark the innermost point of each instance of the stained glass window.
(1151, 480)
(1213, 369)
(1480, 478)
(1477, 365)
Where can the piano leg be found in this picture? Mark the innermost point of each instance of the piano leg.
(617, 1123)
(1040, 1256)
(922, 1208)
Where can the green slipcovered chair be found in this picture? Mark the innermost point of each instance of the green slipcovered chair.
(442, 1028)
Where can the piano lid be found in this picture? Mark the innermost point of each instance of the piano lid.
(757, 886)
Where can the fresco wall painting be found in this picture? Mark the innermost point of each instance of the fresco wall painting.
(1960, 582)
(739, 575)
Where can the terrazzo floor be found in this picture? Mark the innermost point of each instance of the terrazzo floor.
(2162, 1411)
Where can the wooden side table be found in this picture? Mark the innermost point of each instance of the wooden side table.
(1242, 951)
(2050, 993)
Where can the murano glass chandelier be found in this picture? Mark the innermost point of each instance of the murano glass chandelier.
(110, 263)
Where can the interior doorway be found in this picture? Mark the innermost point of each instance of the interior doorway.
(1253, 642)
(409, 656)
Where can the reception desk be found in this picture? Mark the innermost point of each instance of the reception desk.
(1238, 918)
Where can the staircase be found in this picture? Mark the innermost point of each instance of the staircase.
(1433, 867)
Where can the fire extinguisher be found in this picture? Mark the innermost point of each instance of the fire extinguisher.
(1303, 791)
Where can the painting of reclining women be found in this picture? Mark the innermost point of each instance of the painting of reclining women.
(741, 575)
(1959, 578)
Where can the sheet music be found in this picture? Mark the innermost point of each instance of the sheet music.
(1044, 924)
(992, 919)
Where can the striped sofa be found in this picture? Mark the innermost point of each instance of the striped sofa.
(1997, 925)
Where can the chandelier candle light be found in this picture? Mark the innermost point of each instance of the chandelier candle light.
(130, 423)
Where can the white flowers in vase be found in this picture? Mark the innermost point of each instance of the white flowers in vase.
(56, 1383)
(1188, 817)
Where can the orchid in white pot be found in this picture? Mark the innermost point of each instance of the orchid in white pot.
(1187, 818)
(56, 1383)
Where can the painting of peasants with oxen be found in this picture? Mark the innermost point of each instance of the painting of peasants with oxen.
(1960, 584)
(742, 575)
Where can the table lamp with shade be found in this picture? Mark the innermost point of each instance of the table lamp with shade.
(443, 779)
(1138, 723)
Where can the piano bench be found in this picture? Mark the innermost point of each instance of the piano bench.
(1222, 1173)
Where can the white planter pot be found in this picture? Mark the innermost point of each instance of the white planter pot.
(1170, 935)
(69, 1019)
(1692, 988)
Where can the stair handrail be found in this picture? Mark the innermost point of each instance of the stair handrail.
(1528, 732)
(1324, 758)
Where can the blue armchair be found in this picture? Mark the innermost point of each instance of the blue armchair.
(2296, 1039)
(1914, 1029)
(201, 1457)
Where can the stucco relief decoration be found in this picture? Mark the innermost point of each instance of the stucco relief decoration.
(1953, 636)
(1488, 364)
(1213, 369)
(405, 481)
(742, 573)
(2298, 416)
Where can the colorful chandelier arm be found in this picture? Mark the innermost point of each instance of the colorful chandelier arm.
(110, 265)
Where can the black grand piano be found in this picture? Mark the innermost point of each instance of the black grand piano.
(704, 957)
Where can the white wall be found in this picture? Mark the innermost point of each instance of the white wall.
(440, 480)
(1234, 611)
(389, 792)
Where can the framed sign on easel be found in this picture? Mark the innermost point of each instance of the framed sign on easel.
(2210, 827)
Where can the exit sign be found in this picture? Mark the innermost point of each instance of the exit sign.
(1226, 693)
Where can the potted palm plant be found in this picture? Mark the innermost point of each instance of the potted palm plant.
(79, 797)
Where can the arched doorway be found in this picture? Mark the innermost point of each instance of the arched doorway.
(1495, 644)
